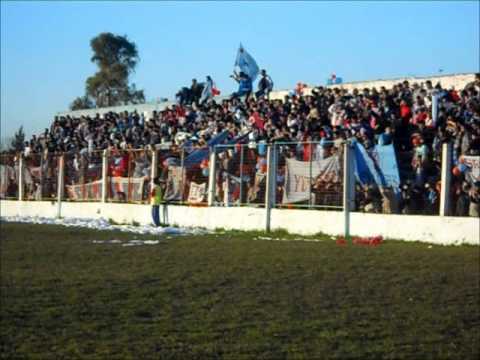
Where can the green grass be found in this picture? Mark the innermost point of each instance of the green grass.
(228, 296)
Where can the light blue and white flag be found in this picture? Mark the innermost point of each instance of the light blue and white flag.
(246, 63)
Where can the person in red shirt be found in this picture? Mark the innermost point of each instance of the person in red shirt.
(405, 111)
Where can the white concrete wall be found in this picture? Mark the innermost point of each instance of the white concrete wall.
(458, 81)
(430, 229)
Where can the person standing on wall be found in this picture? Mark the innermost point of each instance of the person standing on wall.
(265, 85)
(157, 200)
(244, 85)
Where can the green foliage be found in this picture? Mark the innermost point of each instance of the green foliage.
(116, 58)
(82, 102)
(227, 296)
(18, 141)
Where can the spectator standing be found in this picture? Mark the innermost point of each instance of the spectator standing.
(265, 85)
(207, 92)
(244, 85)
(157, 200)
(195, 92)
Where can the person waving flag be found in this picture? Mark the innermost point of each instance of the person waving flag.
(246, 63)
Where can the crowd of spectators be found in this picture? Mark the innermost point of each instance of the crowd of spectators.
(400, 115)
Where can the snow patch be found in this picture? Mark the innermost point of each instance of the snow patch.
(103, 224)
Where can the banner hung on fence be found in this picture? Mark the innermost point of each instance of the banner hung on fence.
(298, 181)
(378, 166)
(472, 168)
(88, 191)
(174, 183)
(7, 177)
(196, 194)
(124, 188)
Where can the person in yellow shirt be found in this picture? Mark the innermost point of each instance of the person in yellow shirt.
(157, 199)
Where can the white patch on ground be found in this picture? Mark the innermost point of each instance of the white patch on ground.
(102, 224)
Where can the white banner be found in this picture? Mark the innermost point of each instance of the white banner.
(88, 191)
(119, 189)
(196, 194)
(174, 183)
(298, 181)
(7, 177)
(472, 163)
(126, 189)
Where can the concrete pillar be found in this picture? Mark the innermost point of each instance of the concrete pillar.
(446, 179)
(104, 175)
(212, 177)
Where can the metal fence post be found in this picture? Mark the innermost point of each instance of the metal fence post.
(346, 188)
(104, 175)
(41, 176)
(153, 170)
(446, 179)
(212, 175)
(310, 176)
(273, 196)
(182, 165)
(241, 175)
(20, 178)
(268, 188)
(60, 184)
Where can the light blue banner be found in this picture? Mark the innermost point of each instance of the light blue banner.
(378, 166)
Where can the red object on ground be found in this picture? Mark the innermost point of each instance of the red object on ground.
(369, 241)
(357, 240)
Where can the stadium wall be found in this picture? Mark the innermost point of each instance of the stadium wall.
(457, 81)
(429, 229)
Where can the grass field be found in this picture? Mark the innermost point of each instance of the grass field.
(228, 296)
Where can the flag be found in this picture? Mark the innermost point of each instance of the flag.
(246, 63)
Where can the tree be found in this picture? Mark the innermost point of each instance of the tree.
(116, 58)
(17, 143)
(82, 102)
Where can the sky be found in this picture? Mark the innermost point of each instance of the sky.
(45, 46)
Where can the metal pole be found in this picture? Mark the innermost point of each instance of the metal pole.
(104, 175)
(212, 177)
(20, 178)
(41, 175)
(346, 189)
(60, 185)
(446, 179)
(268, 188)
(310, 177)
(273, 200)
(182, 189)
(241, 175)
(153, 170)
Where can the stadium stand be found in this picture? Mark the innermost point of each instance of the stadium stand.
(315, 122)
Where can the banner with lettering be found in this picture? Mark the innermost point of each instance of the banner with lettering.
(119, 189)
(88, 191)
(197, 193)
(298, 180)
(126, 189)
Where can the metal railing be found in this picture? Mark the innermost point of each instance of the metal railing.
(307, 175)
